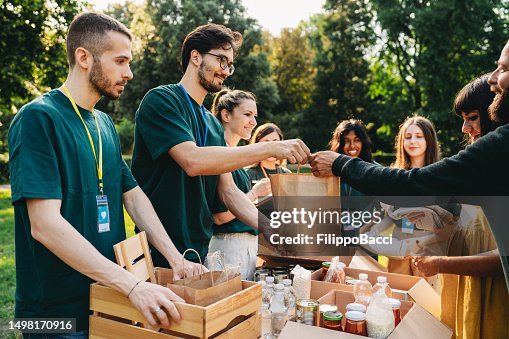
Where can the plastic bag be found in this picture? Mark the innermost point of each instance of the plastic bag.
(336, 272)
(301, 282)
(379, 316)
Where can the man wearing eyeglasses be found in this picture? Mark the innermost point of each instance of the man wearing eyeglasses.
(180, 159)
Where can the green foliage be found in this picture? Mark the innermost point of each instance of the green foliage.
(32, 47)
(291, 58)
(125, 130)
(341, 37)
(436, 47)
(7, 266)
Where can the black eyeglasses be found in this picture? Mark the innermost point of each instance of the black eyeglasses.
(223, 62)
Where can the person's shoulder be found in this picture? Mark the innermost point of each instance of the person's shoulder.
(170, 91)
(46, 105)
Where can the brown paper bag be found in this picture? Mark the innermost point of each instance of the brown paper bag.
(203, 289)
(303, 185)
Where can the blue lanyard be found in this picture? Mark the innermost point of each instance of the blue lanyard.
(200, 143)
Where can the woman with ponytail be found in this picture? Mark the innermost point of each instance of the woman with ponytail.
(236, 110)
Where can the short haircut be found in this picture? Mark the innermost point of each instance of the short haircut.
(229, 99)
(337, 142)
(208, 37)
(88, 30)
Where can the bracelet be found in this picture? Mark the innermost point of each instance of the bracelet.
(132, 289)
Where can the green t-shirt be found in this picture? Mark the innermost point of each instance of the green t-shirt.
(51, 158)
(184, 204)
(243, 182)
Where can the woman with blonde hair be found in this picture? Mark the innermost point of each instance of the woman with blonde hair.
(237, 112)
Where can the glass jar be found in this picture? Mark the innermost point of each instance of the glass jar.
(326, 308)
(356, 323)
(396, 309)
(325, 268)
(332, 320)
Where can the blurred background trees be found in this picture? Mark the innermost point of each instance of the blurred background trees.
(379, 61)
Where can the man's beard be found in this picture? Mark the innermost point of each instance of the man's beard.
(499, 108)
(210, 86)
(100, 83)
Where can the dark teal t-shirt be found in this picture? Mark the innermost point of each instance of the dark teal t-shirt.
(184, 204)
(243, 182)
(51, 158)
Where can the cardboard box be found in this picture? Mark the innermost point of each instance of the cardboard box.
(416, 323)
(404, 287)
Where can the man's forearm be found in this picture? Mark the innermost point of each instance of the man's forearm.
(240, 206)
(62, 239)
(215, 160)
(142, 212)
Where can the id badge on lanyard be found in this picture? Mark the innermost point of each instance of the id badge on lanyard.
(103, 214)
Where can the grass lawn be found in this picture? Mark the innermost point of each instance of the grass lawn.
(7, 269)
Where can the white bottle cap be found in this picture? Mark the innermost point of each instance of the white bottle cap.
(279, 287)
(287, 282)
(363, 276)
(381, 279)
(269, 279)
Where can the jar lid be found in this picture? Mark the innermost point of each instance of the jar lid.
(324, 308)
(355, 316)
(395, 303)
(326, 264)
(331, 315)
(356, 307)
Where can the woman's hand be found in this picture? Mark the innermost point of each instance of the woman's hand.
(262, 188)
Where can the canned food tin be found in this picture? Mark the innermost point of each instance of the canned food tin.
(326, 308)
(261, 274)
(307, 311)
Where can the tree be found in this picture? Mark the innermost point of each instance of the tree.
(291, 58)
(166, 23)
(437, 47)
(341, 37)
(32, 50)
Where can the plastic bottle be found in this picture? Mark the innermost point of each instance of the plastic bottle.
(270, 287)
(290, 299)
(278, 310)
(265, 312)
(383, 285)
(363, 290)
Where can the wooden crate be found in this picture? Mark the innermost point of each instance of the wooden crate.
(233, 317)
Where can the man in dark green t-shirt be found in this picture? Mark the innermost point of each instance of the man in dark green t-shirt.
(68, 185)
(179, 156)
